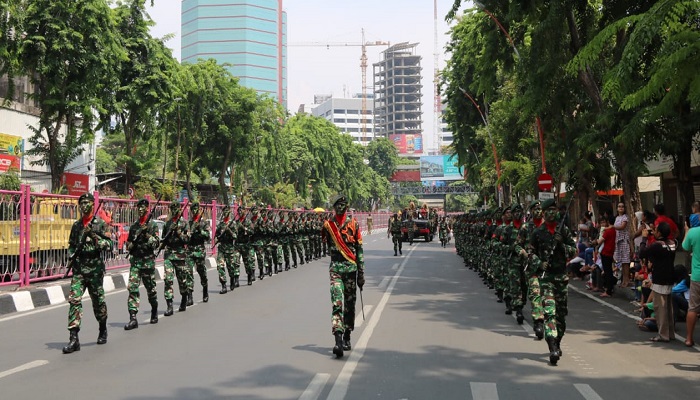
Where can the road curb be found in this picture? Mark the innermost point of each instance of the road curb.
(34, 296)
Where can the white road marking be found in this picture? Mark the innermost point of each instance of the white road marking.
(24, 367)
(395, 267)
(315, 387)
(484, 391)
(587, 392)
(384, 282)
(340, 386)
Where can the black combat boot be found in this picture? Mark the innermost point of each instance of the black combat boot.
(262, 274)
(395, 253)
(102, 336)
(519, 316)
(250, 279)
(205, 293)
(346, 340)
(286, 266)
(499, 293)
(183, 303)
(338, 348)
(236, 281)
(190, 299)
(553, 350)
(509, 305)
(223, 290)
(74, 342)
(169, 309)
(539, 329)
(133, 323)
(154, 313)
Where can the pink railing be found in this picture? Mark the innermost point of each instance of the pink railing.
(34, 231)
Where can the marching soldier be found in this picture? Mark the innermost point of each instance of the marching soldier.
(199, 234)
(258, 240)
(175, 236)
(395, 231)
(285, 238)
(533, 279)
(244, 245)
(342, 233)
(227, 258)
(442, 232)
(142, 244)
(88, 238)
(551, 246)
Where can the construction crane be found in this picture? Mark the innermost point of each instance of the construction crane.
(363, 65)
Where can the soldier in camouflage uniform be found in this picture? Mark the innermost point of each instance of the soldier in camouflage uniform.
(200, 234)
(273, 245)
(347, 271)
(258, 240)
(91, 236)
(552, 245)
(306, 231)
(228, 259)
(174, 241)
(410, 228)
(515, 288)
(531, 275)
(142, 243)
(243, 244)
(296, 245)
(442, 232)
(394, 229)
(501, 273)
(285, 238)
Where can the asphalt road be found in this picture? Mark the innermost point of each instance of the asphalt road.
(432, 331)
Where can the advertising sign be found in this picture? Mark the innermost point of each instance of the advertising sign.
(8, 161)
(407, 144)
(12, 145)
(440, 168)
(76, 184)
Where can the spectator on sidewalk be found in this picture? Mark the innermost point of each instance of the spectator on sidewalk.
(661, 255)
(680, 293)
(622, 244)
(660, 211)
(691, 243)
(607, 239)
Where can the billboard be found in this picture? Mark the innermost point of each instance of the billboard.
(12, 145)
(407, 144)
(7, 161)
(76, 184)
(440, 168)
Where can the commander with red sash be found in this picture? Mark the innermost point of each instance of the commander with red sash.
(347, 271)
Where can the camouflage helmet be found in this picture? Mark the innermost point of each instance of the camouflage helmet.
(86, 196)
(142, 202)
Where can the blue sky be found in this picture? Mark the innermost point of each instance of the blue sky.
(336, 70)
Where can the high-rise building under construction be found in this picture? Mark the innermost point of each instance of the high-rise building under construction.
(250, 36)
(397, 103)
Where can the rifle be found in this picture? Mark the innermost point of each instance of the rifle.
(560, 230)
(145, 225)
(172, 229)
(226, 228)
(81, 244)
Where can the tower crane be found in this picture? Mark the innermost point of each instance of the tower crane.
(363, 65)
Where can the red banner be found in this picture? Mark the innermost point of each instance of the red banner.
(7, 161)
(76, 184)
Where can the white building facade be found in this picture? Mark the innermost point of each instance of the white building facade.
(347, 115)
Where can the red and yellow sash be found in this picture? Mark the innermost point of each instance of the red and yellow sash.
(339, 242)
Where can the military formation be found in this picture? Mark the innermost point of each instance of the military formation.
(522, 260)
(272, 240)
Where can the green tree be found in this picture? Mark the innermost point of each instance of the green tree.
(10, 23)
(69, 49)
(383, 156)
(144, 85)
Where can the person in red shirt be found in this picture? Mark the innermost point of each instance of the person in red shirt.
(660, 211)
(607, 239)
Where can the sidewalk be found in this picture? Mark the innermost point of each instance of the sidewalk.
(14, 299)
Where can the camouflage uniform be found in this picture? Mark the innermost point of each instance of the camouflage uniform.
(175, 235)
(200, 234)
(531, 275)
(244, 246)
(90, 234)
(285, 239)
(552, 245)
(442, 232)
(346, 272)
(228, 259)
(395, 230)
(142, 243)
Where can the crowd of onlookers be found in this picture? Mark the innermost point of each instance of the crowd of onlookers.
(612, 256)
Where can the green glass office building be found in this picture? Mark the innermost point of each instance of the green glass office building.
(250, 35)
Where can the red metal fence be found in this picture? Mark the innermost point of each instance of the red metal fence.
(34, 231)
